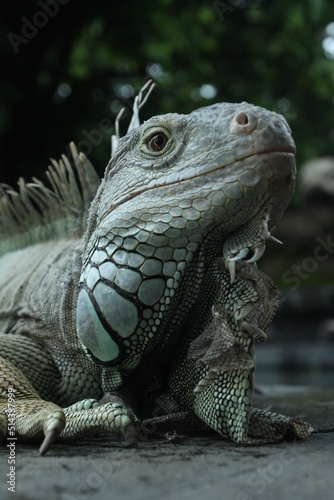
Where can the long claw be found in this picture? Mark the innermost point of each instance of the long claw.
(48, 441)
(241, 254)
(242, 313)
(53, 426)
(253, 330)
(230, 265)
(259, 251)
(230, 262)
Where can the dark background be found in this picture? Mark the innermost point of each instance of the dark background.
(66, 72)
(266, 52)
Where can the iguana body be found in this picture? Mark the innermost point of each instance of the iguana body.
(141, 310)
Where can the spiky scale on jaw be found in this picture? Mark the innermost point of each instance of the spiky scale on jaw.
(145, 294)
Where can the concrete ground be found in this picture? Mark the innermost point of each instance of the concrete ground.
(196, 468)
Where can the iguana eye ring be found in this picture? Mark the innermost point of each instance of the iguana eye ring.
(157, 142)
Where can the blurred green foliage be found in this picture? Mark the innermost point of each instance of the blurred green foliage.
(88, 60)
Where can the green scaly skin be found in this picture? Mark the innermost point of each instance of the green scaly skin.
(150, 318)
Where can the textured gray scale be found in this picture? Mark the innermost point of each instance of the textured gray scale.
(163, 253)
(179, 242)
(99, 256)
(147, 313)
(128, 280)
(176, 211)
(93, 277)
(193, 224)
(181, 266)
(91, 332)
(130, 243)
(179, 254)
(175, 232)
(135, 260)
(120, 313)
(151, 290)
(121, 257)
(158, 240)
(201, 204)
(151, 267)
(142, 236)
(169, 268)
(108, 270)
(110, 249)
(145, 250)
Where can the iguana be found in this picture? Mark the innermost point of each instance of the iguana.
(131, 305)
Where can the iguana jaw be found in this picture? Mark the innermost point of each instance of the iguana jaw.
(216, 172)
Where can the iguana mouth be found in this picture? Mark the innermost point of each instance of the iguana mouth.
(286, 151)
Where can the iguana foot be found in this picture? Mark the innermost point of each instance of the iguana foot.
(25, 414)
(111, 418)
(88, 418)
(172, 426)
(266, 427)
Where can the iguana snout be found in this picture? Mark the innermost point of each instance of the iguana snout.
(261, 178)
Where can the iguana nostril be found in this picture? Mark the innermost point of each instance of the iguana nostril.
(244, 122)
(242, 119)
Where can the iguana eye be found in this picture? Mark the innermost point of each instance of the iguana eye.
(157, 142)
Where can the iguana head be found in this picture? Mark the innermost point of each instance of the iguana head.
(224, 172)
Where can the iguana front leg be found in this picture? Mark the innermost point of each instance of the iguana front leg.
(225, 364)
(26, 415)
